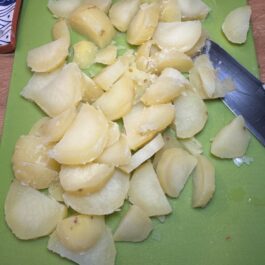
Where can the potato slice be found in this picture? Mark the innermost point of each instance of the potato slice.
(170, 11)
(113, 134)
(63, 8)
(102, 253)
(193, 9)
(118, 154)
(203, 182)
(85, 140)
(143, 25)
(84, 53)
(121, 13)
(83, 179)
(31, 214)
(167, 35)
(79, 233)
(145, 190)
(118, 101)
(135, 226)
(232, 140)
(173, 170)
(56, 191)
(48, 56)
(236, 24)
(93, 23)
(109, 199)
(107, 55)
(103, 5)
(191, 115)
(192, 145)
(60, 30)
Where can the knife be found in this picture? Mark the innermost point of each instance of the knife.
(248, 98)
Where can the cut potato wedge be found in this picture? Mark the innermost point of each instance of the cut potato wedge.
(145, 190)
(85, 140)
(107, 55)
(48, 56)
(173, 170)
(60, 30)
(232, 140)
(102, 253)
(191, 115)
(170, 11)
(236, 24)
(31, 214)
(109, 199)
(63, 8)
(103, 5)
(79, 233)
(203, 182)
(135, 226)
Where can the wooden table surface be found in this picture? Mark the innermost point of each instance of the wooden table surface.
(258, 23)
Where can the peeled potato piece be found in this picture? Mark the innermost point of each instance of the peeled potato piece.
(60, 30)
(193, 9)
(232, 140)
(107, 55)
(31, 214)
(118, 101)
(173, 170)
(203, 182)
(179, 35)
(236, 24)
(113, 134)
(121, 13)
(63, 8)
(56, 191)
(191, 115)
(170, 11)
(135, 226)
(109, 199)
(83, 179)
(146, 192)
(79, 233)
(103, 5)
(93, 23)
(48, 56)
(85, 140)
(102, 253)
(143, 24)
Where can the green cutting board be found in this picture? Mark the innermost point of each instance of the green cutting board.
(229, 231)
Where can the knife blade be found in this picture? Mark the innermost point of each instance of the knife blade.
(248, 98)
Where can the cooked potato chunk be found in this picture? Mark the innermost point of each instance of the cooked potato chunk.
(170, 11)
(107, 55)
(31, 214)
(145, 190)
(63, 8)
(109, 199)
(203, 182)
(144, 23)
(232, 140)
(79, 233)
(121, 13)
(85, 140)
(173, 170)
(191, 115)
(48, 56)
(103, 5)
(92, 23)
(236, 24)
(135, 226)
(60, 30)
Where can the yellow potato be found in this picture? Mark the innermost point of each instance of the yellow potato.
(107, 55)
(60, 30)
(63, 8)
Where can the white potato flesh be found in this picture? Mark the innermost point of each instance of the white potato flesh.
(103, 5)
(173, 170)
(107, 55)
(63, 8)
(135, 226)
(118, 154)
(106, 201)
(102, 253)
(144, 154)
(49, 56)
(191, 115)
(193, 9)
(79, 233)
(121, 13)
(144, 23)
(170, 11)
(179, 35)
(85, 179)
(31, 214)
(166, 88)
(203, 182)
(113, 133)
(232, 140)
(60, 30)
(56, 191)
(236, 24)
(192, 145)
(118, 101)
(85, 140)
(93, 23)
(146, 192)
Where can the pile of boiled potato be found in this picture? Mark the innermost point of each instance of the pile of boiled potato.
(127, 133)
